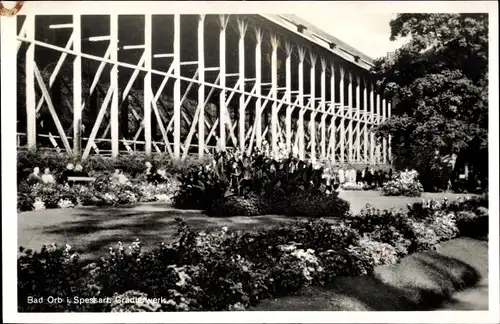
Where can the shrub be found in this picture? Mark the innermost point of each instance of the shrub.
(24, 199)
(55, 272)
(405, 184)
(316, 205)
(473, 224)
(378, 253)
(52, 194)
(217, 186)
(249, 205)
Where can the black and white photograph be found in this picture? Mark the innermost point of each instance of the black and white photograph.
(300, 158)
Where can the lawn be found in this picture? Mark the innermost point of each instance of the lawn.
(93, 229)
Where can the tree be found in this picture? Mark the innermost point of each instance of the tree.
(438, 85)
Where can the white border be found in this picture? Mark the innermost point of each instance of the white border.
(8, 99)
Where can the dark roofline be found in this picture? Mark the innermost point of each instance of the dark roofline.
(323, 39)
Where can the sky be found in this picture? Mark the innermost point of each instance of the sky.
(367, 32)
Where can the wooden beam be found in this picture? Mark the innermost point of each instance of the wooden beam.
(333, 126)
(378, 155)
(201, 87)
(177, 86)
(342, 123)
(300, 133)
(77, 87)
(242, 28)
(350, 116)
(323, 109)
(389, 113)
(148, 95)
(97, 124)
(358, 119)
(289, 110)
(113, 43)
(366, 154)
(274, 94)
(372, 119)
(312, 121)
(384, 140)
(52, 109)
(30, 84)
(258, 89)
(222, 95)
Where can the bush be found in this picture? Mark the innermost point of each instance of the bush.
(232, 182)
(473, 224)
(406, 184)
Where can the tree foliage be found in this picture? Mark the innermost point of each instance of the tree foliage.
(438, 84)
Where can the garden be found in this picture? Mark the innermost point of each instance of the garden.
(231, 269)
(442, 112)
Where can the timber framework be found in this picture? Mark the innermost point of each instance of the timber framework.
(184, 84)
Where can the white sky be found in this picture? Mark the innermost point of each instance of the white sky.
(367, 32)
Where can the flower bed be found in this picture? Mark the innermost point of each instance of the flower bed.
(234, 184)
(353, 186)
(99, 193)
(225, 270)
(405, 184)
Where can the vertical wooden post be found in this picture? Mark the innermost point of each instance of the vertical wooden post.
(201, 86)
(288, 76)
(30, 84)
(342, 109)
(274, 93)
(333, 127)
(77, 87)
(177, 86)
(378, 157)
(389, 112)
(258, 89)
(222, 96)
(372, 119)
(384, 140)
(148, 95)
(314, 111)
(323, 110)
(358, 122)
(350, 116)
(301, 105)
(114, 85)
(365, 123)
(242, 27)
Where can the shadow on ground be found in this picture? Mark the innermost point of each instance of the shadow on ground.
(423, 281)
(92, 230)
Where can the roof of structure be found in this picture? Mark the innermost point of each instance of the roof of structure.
(318, 36)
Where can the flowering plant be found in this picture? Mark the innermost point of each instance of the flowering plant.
(405, 184)
(353, 186)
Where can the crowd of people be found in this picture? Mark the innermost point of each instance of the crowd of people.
(369, 177)
(152, 175)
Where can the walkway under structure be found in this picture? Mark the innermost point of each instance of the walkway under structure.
(183, 84)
